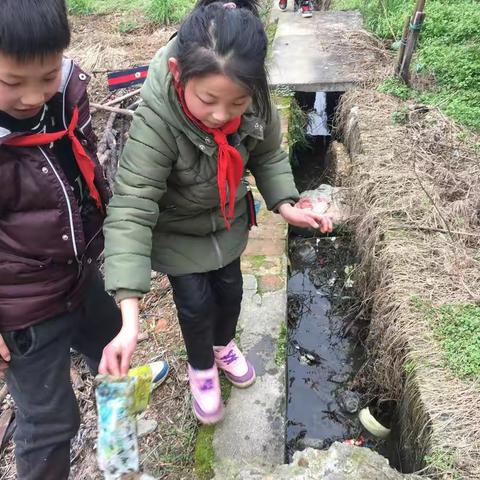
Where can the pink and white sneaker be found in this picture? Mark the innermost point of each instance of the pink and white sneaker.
(206, 395)
(236, 367)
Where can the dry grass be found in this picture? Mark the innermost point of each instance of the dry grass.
(416, 192)
(99, 46)
(376, 62)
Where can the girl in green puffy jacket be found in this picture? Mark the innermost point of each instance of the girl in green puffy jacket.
(180, 205)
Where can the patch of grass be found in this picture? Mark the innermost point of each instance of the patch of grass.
(457, 327)
(280, 355)
(409, 367)
(449, 49)
(81, 7)
(167, 12)
(400, 116)
(164, 12)
(394, 86)
(257, 261)
(128, 26)
(271, 30)
(204, 452)
(297, 127)
(442, 462)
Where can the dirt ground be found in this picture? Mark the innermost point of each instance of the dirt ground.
(99, 46)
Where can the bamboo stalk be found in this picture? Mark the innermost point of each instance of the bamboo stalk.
(403, 43)
(120, 111)
(411, 43)
(118, 100)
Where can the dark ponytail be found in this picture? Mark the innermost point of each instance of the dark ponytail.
(251, 5)
(215, 39)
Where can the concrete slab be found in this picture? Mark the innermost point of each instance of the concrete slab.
(253, 430)
(314, 54)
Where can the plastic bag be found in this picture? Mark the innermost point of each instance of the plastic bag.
(117, 445)
(118, 402)
(318, 200)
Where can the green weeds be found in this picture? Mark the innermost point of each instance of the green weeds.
(448, 51)
(167, 12)
(457, 329)
(164, 12)
(280, 355)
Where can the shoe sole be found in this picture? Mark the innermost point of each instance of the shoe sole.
(246, 383)
(306, 15)
(161, 376)
(243, 384)
(207, 419)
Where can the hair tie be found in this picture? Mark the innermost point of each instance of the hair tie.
(230, 5)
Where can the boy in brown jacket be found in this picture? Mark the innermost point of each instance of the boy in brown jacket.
(52, 205)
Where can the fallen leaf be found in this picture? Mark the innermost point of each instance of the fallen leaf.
(162, 326)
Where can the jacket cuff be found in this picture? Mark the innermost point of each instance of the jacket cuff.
(124, 293)
(290, 201)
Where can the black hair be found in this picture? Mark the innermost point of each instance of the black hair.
(33, 28)
(230, 41)
(251, 5)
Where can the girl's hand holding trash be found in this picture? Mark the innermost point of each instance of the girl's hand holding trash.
(305, 218)
(118, 353)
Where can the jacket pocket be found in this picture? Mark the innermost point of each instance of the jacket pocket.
(251, 210)
(21, 342)
(12, 258)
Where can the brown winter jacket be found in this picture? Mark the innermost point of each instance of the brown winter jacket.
(47, 251)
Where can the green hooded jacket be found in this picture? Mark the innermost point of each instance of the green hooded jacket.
(165, 212)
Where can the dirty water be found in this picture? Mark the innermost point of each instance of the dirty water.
(323, 351)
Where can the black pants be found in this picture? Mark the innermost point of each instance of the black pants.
(208, 306)
(38, 378)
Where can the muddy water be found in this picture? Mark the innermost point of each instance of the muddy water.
(323, 353)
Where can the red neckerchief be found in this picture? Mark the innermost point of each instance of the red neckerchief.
(84, 162)
(229, 162)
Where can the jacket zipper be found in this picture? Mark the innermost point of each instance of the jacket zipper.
(93, 238)
(69, 206)
(216, 246)
(212, 220)
(64, 97)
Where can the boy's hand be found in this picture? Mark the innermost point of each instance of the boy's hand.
(4, 356)
(118, 353)
(305, 218)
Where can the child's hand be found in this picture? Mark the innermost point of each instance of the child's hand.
(305, 218)
(4, 352)
(4, 356)
(118, 353)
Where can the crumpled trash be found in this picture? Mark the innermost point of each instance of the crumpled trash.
(372, 425)
(317, 200)
(117, 444)
(327, 200)
(349, 401)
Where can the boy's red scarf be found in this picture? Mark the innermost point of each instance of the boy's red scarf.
(84, 162)
(229, 162)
